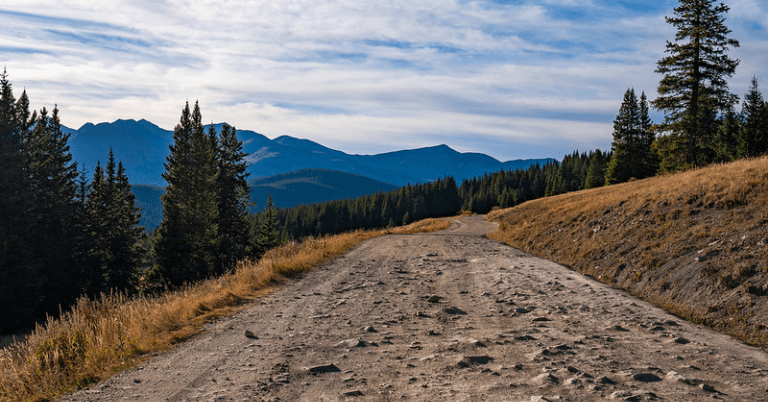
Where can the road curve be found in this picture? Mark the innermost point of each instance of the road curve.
(446, 316)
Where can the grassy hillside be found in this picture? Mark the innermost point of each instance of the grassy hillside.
(693, 243)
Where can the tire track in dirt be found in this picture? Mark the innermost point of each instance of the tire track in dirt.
(447, 316)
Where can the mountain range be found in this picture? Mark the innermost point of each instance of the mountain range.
(292, 170)
(142, 147)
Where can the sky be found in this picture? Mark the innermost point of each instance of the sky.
(511, 79)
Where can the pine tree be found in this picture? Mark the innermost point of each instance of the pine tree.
(694, 89)
(753, 139)
(52, 180)
(187, 239)
(267, 237)
(626, 163)
(117, 250)
(596, 173)
(18, 295)
(233, 199)
(650, 159)
(727, 139)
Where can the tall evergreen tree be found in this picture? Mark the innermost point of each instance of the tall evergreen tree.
(753, 139)
(650, 159)
(186, 242)
(693, 89)
(117, 250)
(626, 163)
(52, 180)
(233, 199)
(633, 137)
(17, 275)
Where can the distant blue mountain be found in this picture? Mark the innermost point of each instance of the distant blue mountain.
(143, 147)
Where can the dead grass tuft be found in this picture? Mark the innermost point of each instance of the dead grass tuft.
(691, 242)
(100, 337)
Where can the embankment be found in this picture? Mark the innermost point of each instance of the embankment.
(694, 243)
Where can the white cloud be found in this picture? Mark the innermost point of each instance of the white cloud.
(361, 76)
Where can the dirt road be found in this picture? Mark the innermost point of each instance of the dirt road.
(449, 316)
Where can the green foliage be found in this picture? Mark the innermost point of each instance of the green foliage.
(116, 239)
(233, 200)
(187, 239)
(205, 229)
(267, 236)
(693, 89)
(596, 172)
(632, 140)
(753, 137)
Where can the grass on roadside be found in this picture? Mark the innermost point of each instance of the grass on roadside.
(98, 338)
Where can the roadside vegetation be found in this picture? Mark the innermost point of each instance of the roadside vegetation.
(694, 243)
(102, 336)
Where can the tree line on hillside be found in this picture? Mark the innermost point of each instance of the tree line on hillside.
(505, 189)
(400, 207)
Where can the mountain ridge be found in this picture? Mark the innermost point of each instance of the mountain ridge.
(142, 146)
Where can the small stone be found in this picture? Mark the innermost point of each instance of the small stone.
(521, 310)
(707, 388)
(673, 376)
(352, 343)
(428, 358)
(621, 394)
(454, 311)
(434, 299)
(251, 335)
(539, 398)
(681, 340)
(323, 368)
(572, 369)
(546, 378)
(605, 380)
(353, 393)
(467, 361)
(369, 329)
(540, 319)
(645, 377)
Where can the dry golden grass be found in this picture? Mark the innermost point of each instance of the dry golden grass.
(100, 337)
(694, 243)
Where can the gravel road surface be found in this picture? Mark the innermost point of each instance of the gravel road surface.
(447, 316)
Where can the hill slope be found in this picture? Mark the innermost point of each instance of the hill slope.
(693, 243)
(310, 186)
(289, 189)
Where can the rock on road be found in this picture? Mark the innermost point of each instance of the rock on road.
(447, 316)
